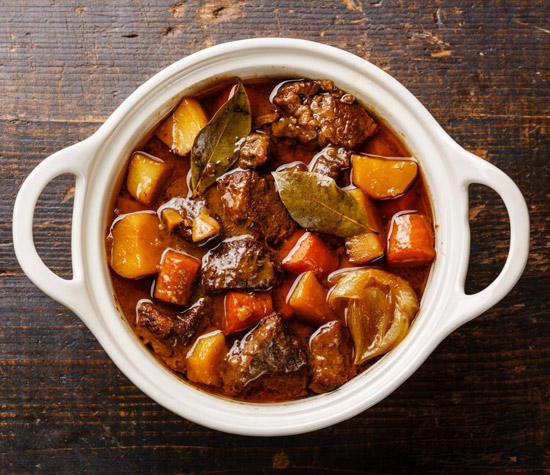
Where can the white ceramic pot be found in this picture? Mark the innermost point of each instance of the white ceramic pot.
(98, 163)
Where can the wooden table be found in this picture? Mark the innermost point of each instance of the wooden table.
(480, 403)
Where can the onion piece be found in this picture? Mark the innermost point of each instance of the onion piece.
(379, 308)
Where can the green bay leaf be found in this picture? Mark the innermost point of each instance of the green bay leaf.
(214, 150)
(316, 203)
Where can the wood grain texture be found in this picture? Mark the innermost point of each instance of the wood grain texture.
(481, 402)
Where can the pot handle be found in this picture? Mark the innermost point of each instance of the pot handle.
(74, 160)
(470, 169)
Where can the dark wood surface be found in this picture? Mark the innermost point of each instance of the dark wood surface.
(481, 403)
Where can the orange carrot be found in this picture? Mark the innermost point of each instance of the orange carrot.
(288, 245)
(243, 310)
(311, 254)
(309, 300)
(411, 241)
(177, 272)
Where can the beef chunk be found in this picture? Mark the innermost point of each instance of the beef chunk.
(270, 348)
(256, 149)
(154, 320)
(264, 119)
(240, 263)
(251, 201)
(331, 161)
(188, 209)
(319, 111)
(174, 330)
(329, 357)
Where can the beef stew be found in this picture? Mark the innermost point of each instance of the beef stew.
(271, 240)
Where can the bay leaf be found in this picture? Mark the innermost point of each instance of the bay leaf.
(215, 148)
(316, 203)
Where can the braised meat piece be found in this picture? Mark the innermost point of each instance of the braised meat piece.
(251, 201)
(256, 149)
(270, 348)
(319, 111)
(264, 119)
(188, 209)
(174, 330)
(331, 161)
(240, 263)
(329, 357)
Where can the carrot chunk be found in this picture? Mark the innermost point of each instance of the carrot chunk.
(311, 254)
(411, 241)
(243, 310)
(177, 272)
(309, 300)
(289, 244)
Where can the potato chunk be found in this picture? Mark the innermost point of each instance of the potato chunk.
(146, 175)
(364, 247)
(204, 226)
(203, 359)
(181, 128)
(177, 272)
(309, 300)
(171, 218)
(382, 178)
(369, 245)
(136, 245)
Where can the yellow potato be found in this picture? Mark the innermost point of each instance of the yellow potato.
(171, 218)
(136, 245)
(181, 128)
(364, 247)
(146, 175)
(367, 246)
(204, 226)
(382, 178)
(203, 359)
(374, 221)
(309, 300)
